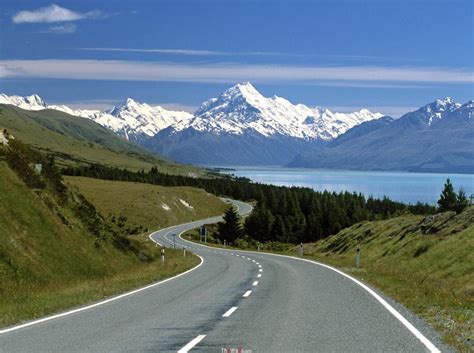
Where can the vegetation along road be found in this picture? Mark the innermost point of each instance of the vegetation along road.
(257, 301)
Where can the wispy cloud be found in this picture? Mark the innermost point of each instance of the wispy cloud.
(66, 28)
(393, 111)
(189, 52)
(53, 13)
(197, 52)
(226, 73)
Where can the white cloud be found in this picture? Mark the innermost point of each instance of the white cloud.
(53, 13)
(225, 73)
(190, 52)
(393, 111)
(67, 28)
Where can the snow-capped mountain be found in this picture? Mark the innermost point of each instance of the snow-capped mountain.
(437, 137)
(242, 108)
(33, 102)
(438, 109)
(267, 130)
(131, 120)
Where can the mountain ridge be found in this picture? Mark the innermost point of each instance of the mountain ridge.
(238, 108)
(438, 137)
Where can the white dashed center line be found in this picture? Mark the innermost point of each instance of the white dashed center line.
(259, 275)
(230, 311)
(191, 344)
(247, 293)
(255, 283)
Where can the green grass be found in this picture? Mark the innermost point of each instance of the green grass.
(47, 265)
(144, 204)
(431, 273)
(75, 140)
(430, 270)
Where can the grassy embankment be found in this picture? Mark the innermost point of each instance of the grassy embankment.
(74, 140)
(149, 206)
(429, 268)
(50, 260)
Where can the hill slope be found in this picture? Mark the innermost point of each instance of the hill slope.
(58, 251)
(425, 263)
(77, 140)
(438, 137)
(149, 206)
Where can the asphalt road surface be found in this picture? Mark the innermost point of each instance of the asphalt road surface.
(234, 299)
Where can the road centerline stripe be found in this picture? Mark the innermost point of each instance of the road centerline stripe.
(254, 283)
(191, 344)
(230, 311)
(247, 293)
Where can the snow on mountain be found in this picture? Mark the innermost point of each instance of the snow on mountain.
(239, 109)
(130, 119)
(242, 108)
(33, 102)
(438, 109)
(146, 119)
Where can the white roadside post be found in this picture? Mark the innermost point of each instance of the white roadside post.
(162, 256)
(184, 251)
(301, 249)
(358, 256)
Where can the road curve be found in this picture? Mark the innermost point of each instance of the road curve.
(260, 302)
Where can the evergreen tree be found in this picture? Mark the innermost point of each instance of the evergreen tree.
(231, 229)
(461, 201)
(259, 224)
(447, 199)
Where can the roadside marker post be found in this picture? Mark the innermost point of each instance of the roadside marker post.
(184, 251)
(358, 256)
(162, 256)
(301, 250)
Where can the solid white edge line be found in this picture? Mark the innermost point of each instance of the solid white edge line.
(247, 293)
(191, 344)
(230, 311)
(428, 344)
(254, 283)
(88, 307)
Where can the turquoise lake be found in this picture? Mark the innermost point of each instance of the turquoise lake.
(400, 186)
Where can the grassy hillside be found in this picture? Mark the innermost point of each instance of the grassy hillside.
(50, 259)
(78, 140)
(146, 205)
(425, 263)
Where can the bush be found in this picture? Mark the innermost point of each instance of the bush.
(19, 157)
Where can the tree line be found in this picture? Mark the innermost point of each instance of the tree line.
(283, 214)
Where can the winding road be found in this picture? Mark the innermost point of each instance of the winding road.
(234, 299)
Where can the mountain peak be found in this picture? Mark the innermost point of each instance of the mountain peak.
(244, 89)
(439, 107)
(32, 102)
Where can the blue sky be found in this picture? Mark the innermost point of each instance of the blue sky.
(386, 55)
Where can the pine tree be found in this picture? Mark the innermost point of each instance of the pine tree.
(447, 199)
(231, 229)
(461, 201)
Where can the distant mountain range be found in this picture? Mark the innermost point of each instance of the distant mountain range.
(242, 127)
(239, 127)
(438, 137)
